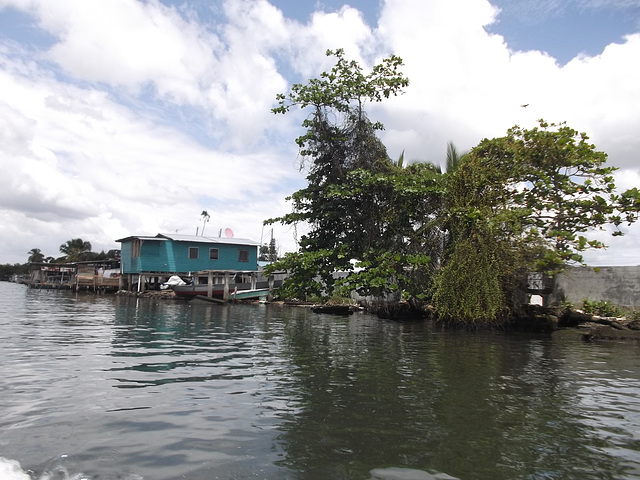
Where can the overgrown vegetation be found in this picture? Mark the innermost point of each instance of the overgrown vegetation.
(460, 239)
(601, 307)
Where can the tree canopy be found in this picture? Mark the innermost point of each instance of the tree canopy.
(75, 249)
(35, 256)
(461, 239)
(523, 202)
(343, 155)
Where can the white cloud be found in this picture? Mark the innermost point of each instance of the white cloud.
(128, 43)
(85, 165)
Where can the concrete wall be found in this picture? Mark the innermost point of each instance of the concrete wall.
(618, 285)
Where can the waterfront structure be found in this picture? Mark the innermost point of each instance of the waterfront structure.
(58, 276)
(98, 275)
(148, 261)
(95, 275)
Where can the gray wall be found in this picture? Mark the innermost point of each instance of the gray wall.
(618, 285)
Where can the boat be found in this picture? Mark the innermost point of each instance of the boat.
(195, 290)
(201, 299)
(217, 289)
(260, 293)
(256, 289)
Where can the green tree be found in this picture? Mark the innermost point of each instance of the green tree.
(567, 192)
(35, 256)
(409, 244)
(339, 142)
(454, 158)
(479, 267)
(205, 218)
(522, 202)
(7, 270)
(75, 249)
(269, 253)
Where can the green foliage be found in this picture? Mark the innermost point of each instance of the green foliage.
(463, 238)
(382, 273)
(35, 256)
(530, 197)
(347, 195)
(568, 190)
(346, 84)
(602, 308)
(339, 300)
(310, 273)
(470, 287)
(556, 186)
(565, 303)
(76, 250)
(453, 158)
(8, 269)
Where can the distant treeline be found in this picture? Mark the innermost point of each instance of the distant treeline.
(7, 270)
(74, 250)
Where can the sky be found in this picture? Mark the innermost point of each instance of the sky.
(130, 117)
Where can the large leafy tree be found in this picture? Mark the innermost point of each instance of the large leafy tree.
(76, 249)
(339, 141)
(567, 190)
(409, 244)
(521, 202)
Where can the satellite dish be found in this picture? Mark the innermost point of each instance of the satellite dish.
(228, 233)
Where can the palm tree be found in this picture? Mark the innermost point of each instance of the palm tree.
(453, 158)
(35, 256)
(75, 249)
(205, 218)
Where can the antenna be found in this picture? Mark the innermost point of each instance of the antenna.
(228, 233)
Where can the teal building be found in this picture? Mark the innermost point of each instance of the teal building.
(183, 254)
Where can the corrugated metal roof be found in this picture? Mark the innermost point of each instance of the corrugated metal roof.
(176, 237)
(141, 237)
(202, 239)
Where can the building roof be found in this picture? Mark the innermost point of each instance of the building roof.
(163, 237)
(141, 237)
(202, 239)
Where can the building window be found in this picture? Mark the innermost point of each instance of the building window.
(243, 255)
(193, 253)
(213, 254)
(135, 248)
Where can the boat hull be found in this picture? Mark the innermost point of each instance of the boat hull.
(243, 290)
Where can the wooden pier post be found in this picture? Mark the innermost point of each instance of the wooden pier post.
(225, 293)
(271, 283)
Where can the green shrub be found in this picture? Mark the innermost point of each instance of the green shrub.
(601, 307)
(634, 314)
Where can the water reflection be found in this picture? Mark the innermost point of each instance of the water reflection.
(135, 388)
(469, 405)
(172, 343)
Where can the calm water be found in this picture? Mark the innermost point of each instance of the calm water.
(107, 387)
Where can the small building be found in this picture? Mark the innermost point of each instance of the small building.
(98, 275)
(150, 261)
(58, 276)
(92, 275)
